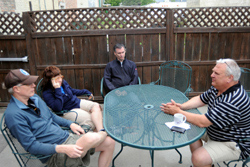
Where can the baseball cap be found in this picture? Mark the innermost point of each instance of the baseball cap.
(19, 76)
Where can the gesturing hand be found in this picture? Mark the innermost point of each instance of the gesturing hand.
(170, 108)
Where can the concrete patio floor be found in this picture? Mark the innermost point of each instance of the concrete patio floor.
(130, 157)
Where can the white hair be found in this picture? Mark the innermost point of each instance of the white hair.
(11, 91)
(232, 68)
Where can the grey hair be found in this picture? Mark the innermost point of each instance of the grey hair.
(232, 68)
(119, 46)
(10, 90)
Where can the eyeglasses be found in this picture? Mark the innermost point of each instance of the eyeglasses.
(58, 77)
(24, 84)
(227, 65)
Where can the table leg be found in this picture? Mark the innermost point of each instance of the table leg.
(152, 157)
(113, 162)
(180, 161)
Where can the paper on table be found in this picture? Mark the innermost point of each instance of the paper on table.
(182, 125)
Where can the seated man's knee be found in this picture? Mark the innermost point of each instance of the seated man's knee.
(96, 107)
(90, 138)
(196, 159)
(201, 158)
(110, 141)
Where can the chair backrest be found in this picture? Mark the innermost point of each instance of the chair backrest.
(176, 74)
(23, 158)
(245, 79)
(39, 89)
(102, 90)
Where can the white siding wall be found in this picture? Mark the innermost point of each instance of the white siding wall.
(214, 3)
(23, 5)
(87, 3)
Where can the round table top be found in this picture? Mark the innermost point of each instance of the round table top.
(132, 116)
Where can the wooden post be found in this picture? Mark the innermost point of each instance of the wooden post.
(169, 35)
(29, 43)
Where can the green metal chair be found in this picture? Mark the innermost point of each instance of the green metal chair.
(102, 90)
(245, 162)
(24, 158)
(245, 79)
(175, 74)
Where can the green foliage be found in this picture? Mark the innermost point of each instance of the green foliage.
(113, 2)
(128, 2)
(145, 2)
(131, 2)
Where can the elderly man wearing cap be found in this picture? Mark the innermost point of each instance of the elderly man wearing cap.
(39, 132)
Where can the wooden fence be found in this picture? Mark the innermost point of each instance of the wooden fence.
(80, 41)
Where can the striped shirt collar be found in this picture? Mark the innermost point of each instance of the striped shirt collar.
(233, 88)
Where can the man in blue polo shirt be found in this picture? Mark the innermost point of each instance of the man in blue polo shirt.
(39, 132)
(227, 118)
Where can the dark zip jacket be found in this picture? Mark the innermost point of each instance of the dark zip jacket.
(117, 75)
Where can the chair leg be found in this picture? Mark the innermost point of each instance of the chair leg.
(245, 162)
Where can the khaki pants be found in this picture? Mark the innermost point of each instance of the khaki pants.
(220, 151)
(62, 160)
(82, 113)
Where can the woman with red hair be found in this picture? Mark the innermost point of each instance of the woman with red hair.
(59, 96)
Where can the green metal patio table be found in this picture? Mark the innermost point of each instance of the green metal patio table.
(132, 117)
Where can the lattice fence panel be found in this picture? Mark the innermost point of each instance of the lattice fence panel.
(98, 19)
(212, 17)
(11, 24)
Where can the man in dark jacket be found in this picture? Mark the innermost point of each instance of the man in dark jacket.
(120, 72)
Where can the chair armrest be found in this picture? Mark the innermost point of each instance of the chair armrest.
(139, 80)
(101, 89)
(65, 111)
(155, 83)
(189, 89)
(31, 156)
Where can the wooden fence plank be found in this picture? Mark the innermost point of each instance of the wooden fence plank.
(88, 81)
(213, 43)
(155, 55)
(102, 50)
(221, 45)
(163, 51)
(179, 47)
(68, 50)
(204, 47)
(59, 51)
(237, 42)
(96, 81)
(78, 52)
(146, 71)
(79, 79)
(245, 46)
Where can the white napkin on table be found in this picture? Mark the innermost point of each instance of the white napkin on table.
(182, 125)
